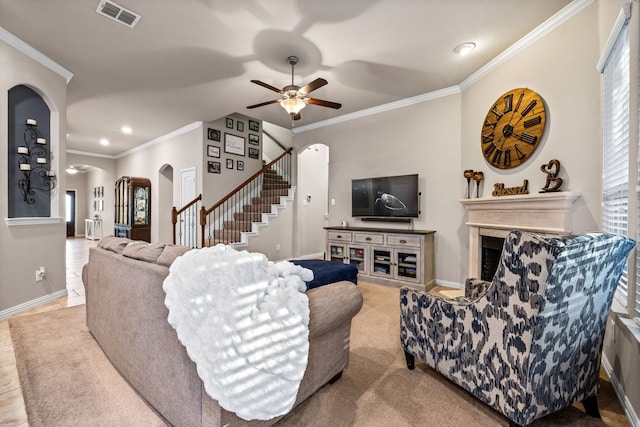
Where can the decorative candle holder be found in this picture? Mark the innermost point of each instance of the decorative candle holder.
(468, 174)
(478, 176)
(33, 157)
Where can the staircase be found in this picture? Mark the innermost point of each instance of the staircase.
(274, 188)
(240, 213)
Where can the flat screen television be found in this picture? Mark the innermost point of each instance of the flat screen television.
(389, 196)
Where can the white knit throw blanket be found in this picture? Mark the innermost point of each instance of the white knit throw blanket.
(245, 323)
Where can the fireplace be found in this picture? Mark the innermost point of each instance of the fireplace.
(490, 250)
(494, 217)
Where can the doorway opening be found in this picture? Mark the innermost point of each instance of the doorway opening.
(70, 212)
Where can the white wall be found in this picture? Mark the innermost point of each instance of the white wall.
(25, 248)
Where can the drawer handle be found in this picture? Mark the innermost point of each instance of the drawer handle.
(339, 236)
(368, 239)
(403, 241)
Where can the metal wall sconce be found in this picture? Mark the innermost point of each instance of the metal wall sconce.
(33, 163)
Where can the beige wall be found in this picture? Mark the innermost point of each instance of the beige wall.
(424, 139)
(25, 248)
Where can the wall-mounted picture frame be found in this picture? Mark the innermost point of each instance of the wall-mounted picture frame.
(101, 191)
(254, 153)
(100, 205)
(213, 134)
(95, 191)
(240, 165)
(240, 126)
(213, 151)
(254, 139)
(213, 167)
(233, 144)
(229, 123)
(254, 126)
(229, 163)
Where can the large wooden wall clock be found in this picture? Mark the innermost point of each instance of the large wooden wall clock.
(513, 128)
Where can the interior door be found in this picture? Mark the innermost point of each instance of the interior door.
(188, 219)
(70, 212)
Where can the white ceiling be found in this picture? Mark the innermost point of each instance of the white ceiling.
(193, 60)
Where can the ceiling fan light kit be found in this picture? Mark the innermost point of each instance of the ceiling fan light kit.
(294, 98)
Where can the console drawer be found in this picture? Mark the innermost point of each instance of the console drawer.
(369, 238)
(343, 236)
(399, 240)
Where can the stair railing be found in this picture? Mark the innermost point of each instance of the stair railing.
(187, 216)
(234, 213)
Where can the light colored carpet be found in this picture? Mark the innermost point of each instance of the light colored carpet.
(67, 380)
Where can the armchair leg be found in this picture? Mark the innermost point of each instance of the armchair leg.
(411, 360)
(591, 406)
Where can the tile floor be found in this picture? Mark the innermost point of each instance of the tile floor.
(12, 409)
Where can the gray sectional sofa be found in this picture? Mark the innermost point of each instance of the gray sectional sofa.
(127, 316)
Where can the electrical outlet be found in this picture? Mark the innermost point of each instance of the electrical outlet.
(40, 273)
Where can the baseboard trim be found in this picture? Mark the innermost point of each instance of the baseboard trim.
(633, 418)
(449, 284)
(32, 304)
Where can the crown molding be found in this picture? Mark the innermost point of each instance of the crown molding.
(541, 30)
(35, 54)
(87, 153)
(380, 109)
(160, 139)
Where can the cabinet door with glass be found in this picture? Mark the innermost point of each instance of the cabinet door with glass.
(133, 208)
(358, 258)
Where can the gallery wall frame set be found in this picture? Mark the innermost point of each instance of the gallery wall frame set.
(213, 134)
(213, 167)
(234, 144)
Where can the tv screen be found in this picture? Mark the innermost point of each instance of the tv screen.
(390, 196)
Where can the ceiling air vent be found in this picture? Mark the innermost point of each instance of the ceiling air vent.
(118, 13)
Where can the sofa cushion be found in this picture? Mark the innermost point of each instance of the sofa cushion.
(144, 251)
(113, 244)
(170, 253)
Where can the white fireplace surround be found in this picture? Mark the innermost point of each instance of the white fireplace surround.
(544, 213)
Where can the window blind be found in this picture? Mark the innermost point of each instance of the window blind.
(615, 171)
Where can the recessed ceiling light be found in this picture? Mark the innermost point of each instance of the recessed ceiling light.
(464, 48)
(104, 141)
(72, 170)
(126, 129)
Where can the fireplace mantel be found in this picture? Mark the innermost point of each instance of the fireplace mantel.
(545, 213)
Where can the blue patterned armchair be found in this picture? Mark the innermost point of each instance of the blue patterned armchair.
(529, 342)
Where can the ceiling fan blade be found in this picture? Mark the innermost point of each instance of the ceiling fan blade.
(264, 103)
(317, 83)
(297, 116)
(268, 86)
(323, 103)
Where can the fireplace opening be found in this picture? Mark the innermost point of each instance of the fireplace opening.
(491, 248)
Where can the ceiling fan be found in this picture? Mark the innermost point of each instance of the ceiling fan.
(294, 98)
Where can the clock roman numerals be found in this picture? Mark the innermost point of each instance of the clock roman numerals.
(496, 110)
(508, 103)
(507, 158)
(521, 155)
(532, 122)
(496, 156)
(529, 107)
(489, 149)
(487, 138)
(488, 123)
(531, 139)
(519, 101)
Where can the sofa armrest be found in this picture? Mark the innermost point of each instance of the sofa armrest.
(475, 288)
(331, 305)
